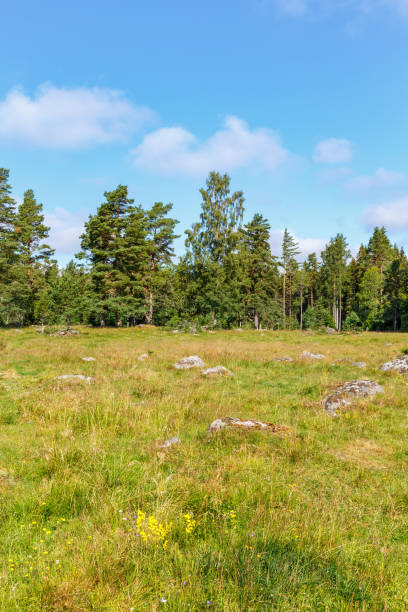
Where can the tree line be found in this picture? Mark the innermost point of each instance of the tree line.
(126, 272)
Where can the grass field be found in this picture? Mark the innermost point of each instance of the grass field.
(95, 516)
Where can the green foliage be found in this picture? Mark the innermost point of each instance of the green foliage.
(128, 273)
(317, 317)
(352, 322)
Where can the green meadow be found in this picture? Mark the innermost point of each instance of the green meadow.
(95, 515)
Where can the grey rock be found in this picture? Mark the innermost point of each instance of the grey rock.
(349, 391)
(397, 365)
(170, 442)
(189, 362)
(88, 359)
(217, 371)
(308, 355)
(75, 377)
(143, 357)
(287, 359)
(354, 364)
(67, 332)
(225, 422)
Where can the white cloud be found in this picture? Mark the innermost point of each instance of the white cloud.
(174, 150)
(324, 8)
(334, 174)
(392, 214)
(380, 179)
(294, 8)
(66, 228)
(306, 245)
(66, 118)
(333, 151)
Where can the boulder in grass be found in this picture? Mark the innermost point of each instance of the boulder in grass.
(88, 359)
(349, 391)
(75, 377)
(217, 371)
(308, 355)
(143, 357)
(397, 365)
(189, 362)
(231, 422)
(170, 442)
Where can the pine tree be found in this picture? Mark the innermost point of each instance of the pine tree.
(160, 236)
(30, 231)
(114, 244)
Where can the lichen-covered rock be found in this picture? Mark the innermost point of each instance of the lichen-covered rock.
(217, 371)
(308, 355)
(347, 392)
(143, 357)
(75, 377)
(189, 362)
(224, 422)
(170, 442)
(88, 359)
(397, 365)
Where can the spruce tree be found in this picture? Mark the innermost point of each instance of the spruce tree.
(290, 249)
(334, 258)
(260, 269)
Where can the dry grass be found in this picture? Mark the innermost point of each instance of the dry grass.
(313, 520)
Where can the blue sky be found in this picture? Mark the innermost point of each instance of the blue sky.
(302, 102)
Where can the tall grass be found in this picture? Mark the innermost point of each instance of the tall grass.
(313, 520)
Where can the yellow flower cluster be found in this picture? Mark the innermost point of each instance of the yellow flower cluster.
(150, 530)
(190, 523)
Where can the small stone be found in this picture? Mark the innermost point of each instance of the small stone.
(224, 422)
(189, 362)
(170, 442)
(217, 371)
(175, 331)
(18, 331)
(288, 359)
(143, 357)
(308, 355)
(345, 393)
(397, 365)
(75, 377)
(88, 359)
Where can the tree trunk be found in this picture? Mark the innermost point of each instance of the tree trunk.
(256, 320)
(301, 308)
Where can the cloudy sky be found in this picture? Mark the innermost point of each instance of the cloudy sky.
(302, 102)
